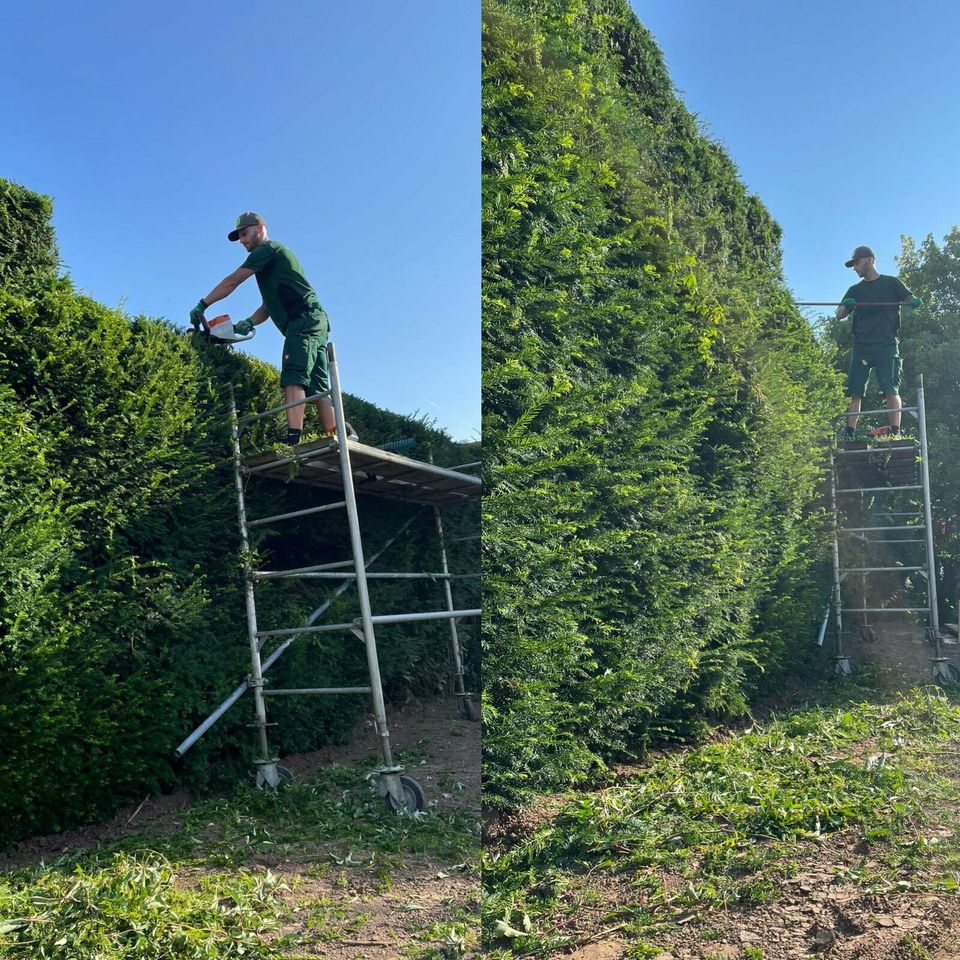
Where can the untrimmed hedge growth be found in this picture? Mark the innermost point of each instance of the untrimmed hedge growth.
(653, 406)
(121, 606)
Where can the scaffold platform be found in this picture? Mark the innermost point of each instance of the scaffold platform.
(376, 472)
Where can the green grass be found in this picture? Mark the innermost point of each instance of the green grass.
(213, 888)
(724, 824)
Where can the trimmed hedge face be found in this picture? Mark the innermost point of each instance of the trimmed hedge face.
(653, 405)
(121, 604)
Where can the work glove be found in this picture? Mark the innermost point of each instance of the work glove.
(849, 302)
(243, 327)
(196, 315)
(914, 303)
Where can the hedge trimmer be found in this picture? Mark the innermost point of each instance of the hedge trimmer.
(221, 330)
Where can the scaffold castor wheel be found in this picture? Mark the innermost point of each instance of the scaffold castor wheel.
(414, 798)
(945, 672)
(468, 709)
(271, 775)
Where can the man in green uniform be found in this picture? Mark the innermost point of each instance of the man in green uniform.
(292, 303)
(875, 304)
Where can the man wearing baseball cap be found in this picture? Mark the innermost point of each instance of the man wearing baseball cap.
(290, 301)
(875, 304)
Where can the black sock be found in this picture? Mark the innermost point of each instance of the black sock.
(894, 429)
(293, 436)
(851, 432)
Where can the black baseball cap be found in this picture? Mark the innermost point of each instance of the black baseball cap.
(856, 255)
(250, 219)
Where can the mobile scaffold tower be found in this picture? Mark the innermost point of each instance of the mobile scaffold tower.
(346, 465)
(883, 525)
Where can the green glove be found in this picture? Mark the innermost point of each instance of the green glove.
(243, 327)
(914, 303)
(849, 302)
(196, 315)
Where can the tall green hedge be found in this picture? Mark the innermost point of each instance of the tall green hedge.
(653, 407)
(121, 605)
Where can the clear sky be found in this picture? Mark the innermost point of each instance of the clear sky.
(354, 130)
(843, 118)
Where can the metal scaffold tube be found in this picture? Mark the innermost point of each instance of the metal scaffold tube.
(391, 777)
(266, 765)
(842, 664)
(928, 524)
(460, 690)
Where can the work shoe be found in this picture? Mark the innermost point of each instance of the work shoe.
(887, 431)
(332, 434)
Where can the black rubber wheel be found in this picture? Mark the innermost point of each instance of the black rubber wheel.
(954, 674)
(413, 796)
(285, 775)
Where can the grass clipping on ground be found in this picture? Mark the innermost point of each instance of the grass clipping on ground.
(725, 824)
(230, 881)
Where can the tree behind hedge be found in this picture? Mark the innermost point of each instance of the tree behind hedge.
(653, 405)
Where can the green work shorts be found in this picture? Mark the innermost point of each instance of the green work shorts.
(305, 363)
(887, 365)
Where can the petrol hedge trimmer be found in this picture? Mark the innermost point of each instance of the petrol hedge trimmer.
(221, 330)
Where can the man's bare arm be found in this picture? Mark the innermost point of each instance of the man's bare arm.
(227, 285)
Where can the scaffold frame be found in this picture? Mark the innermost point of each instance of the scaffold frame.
(941, 667)
(346, 464)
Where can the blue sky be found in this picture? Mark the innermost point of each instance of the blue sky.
(843, 118)
(353, 130)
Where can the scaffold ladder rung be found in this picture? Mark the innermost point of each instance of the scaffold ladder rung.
(878, 569)
(919, 529)
(347, 575)
(243, 421)
(315, 690)
(884, 609)
(867, 413)
(911, 486)
(297, 513)
(278, 574)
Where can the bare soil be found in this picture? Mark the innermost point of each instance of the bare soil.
(899, 651)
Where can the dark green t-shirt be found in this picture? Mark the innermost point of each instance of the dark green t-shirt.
(289, 298)
(877, 324)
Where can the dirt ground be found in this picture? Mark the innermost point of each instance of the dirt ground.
(818, 913)
(899, 650)
(379, 921)
(423, 892)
